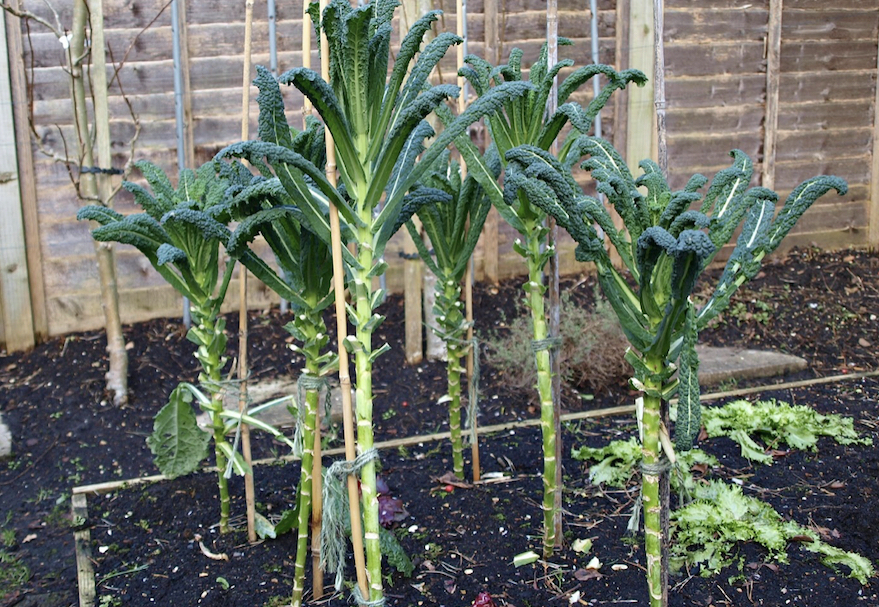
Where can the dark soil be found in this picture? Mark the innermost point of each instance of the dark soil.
(821, 306)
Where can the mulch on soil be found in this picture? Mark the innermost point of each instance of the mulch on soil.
(821, 306)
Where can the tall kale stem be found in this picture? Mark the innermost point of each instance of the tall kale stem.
(365, 440)
(535, 291)
(453, 321)
(305, 483)
(652, 453)
(210, 354)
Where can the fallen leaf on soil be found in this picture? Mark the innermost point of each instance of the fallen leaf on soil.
(771, 566)
(450, 479)
(585, 575)
(801, 538)
(825, 532)
(483, 599)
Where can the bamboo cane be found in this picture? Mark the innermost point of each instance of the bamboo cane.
(249, 498)
(306, 57)
(317, 574)
(341, 334)
(552, 40)
(662, 157)
(461, 26)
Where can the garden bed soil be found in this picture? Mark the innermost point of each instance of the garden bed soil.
(821, 306)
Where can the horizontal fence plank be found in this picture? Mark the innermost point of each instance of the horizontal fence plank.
(710, 25)
(720, 57)
(830, 55)
(830, 24)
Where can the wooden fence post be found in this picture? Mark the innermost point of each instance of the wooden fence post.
(773, 64)
(412, 267)
(15, 301)
(27, 183)
(490, 258)
(873, 217)
(640, 131)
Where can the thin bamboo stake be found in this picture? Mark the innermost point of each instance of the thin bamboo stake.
(662, 157)
(317, 574)
(461, 26)
(249, 497)
(306, 58)
(341, 334)
(552, 39)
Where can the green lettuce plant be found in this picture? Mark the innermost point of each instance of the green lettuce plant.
(615, 463)
(707, 530)
(452, 218)
(774, 423)
(668, 239)
(523, 121)
(376, 119)
(180, 232)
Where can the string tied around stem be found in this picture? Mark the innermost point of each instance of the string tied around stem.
(335, 502)
(304, 384)
(656, 469)
(358, 597)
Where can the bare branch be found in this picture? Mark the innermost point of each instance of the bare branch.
(29, 16)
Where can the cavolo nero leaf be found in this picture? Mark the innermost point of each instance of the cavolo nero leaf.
(689, 419)
(177, 442)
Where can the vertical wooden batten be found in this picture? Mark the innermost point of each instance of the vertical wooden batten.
(490, 259)
(873, 218)
(413, 277)
(773, 76)
(640, 134)
(26, 179)
(15, 299)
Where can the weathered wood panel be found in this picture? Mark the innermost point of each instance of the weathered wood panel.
(701, 25)
(716, 87)
(16, 314)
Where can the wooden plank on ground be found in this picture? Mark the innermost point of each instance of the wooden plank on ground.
(15, 299)
(85, 573)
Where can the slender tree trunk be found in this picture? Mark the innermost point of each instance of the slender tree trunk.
(117, 375)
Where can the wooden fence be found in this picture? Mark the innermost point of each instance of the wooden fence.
(793, 83)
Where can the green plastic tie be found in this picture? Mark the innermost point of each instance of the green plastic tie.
(550, 343)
